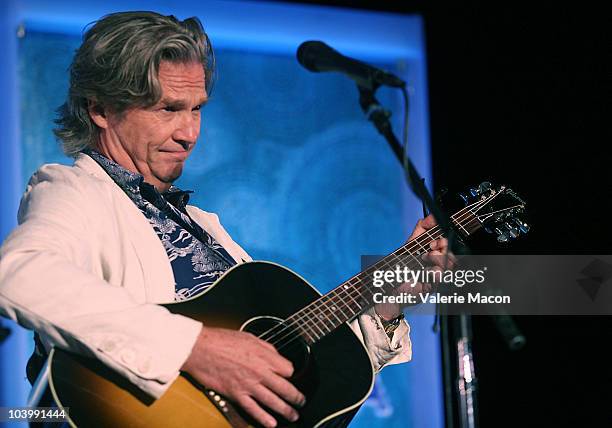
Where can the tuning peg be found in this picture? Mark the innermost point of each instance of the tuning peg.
(501, 235)
(512, 231)
(523, 227)
(484, 187)
(474, 192)
(465, 198)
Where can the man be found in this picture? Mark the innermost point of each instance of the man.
(85, 267)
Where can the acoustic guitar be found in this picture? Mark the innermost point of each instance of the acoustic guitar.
(332, 367)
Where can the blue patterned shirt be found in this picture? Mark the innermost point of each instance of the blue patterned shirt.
(197, 260)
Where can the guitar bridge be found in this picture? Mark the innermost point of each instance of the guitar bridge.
(227, 409)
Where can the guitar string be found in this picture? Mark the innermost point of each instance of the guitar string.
(350, 291)
(294, 322)
(294, 335)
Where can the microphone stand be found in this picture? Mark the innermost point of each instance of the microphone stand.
(380, 118)
(462, 337)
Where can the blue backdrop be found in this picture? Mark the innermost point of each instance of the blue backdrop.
(286, 158)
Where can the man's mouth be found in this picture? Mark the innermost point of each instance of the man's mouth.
(182, 147)
(180, 155)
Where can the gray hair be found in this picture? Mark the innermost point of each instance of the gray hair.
(117, 67)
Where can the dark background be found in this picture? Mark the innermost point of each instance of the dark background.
(517, 97)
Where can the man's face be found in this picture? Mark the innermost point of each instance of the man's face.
(155, 141)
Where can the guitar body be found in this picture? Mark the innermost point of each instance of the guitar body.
(335, 373)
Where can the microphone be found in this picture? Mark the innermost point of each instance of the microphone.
(317, 56)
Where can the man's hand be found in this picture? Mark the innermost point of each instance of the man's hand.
(247, 370)
(436, 257)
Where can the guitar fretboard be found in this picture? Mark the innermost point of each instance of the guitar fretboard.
(356, 295)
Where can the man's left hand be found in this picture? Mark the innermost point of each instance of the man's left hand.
(438, 260)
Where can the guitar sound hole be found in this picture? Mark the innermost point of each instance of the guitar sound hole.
(286, 339)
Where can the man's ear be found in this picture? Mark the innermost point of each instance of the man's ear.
(97, 114)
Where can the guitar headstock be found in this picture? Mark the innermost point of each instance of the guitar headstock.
(497, 210)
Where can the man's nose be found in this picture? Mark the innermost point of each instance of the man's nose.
(188, 129)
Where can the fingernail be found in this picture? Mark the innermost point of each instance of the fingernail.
(294, 417)
(271, 423)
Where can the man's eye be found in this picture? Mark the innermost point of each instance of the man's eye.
(198, 108)
(169, 108)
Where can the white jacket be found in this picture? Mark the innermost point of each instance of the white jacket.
(87, 271)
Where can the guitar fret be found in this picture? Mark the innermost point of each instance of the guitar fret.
(352, 282)
(419, 244)
(464, 229)
(319, 336)
(308, 322)
(342, 300)
(368, 290)
(342, 307)
(301, 328)
(313, 335)
(354, 301)
(313, 322)
(339, 305)
(332, 310)
(304, 332)
(322, 317)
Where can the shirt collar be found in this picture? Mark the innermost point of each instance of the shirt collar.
(133, 183)
(177, 197)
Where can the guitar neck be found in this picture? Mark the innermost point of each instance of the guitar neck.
(355, 296)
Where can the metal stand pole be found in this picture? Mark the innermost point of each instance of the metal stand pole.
(466, 379)
(463, 336)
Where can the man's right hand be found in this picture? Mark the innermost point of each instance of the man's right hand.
(247, 370)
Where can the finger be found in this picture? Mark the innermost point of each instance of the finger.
(422, 226)
(272, 401)
(438, 258)
(434, 274)
(426, 287)
(446, 260)
(419, 228)
(428, 222)
(439, 244)
(255, 410)
(284, 389)
(267, 345)
(433, 256)
(452, 260)
(261, 342)
(277, 362)
(280, 365)
(421, 288)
